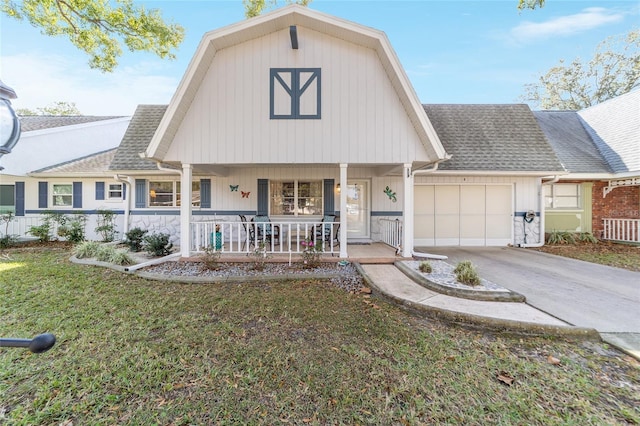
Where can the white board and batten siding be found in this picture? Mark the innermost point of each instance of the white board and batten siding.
(362, 118)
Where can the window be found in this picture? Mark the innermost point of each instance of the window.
(563, 196)
(295, 93)
(7, 199)
(62, 195)
(167, 194)
(296, 198)
(115, 191)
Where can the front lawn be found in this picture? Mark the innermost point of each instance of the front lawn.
(134, 351)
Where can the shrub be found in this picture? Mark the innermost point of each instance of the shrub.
(425, 267)
(587, 237)
(75, 228)
(104, 253)
(211, 258)
(41, 232)
(7, 240)
(260, 256)
(134, 239)
(466, 273)
(106, 225)
(157, 244)
(86, 249)
(312, 253)
(121, 257)
(561, 237)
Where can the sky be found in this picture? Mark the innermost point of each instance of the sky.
(470, 52)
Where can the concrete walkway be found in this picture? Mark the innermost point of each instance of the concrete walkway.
(515, 317)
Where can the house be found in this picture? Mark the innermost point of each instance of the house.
(600, 147)
(64, 141)
(298, 115)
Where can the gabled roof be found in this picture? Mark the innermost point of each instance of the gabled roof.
(502, 138)
(143, 125)
(614, 126)
(97, 163)
(571, 142)
(280, 19)
(31, 123)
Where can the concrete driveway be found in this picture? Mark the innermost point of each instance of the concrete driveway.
(580, 293)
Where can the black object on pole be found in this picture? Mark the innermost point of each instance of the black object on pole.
(40, 343)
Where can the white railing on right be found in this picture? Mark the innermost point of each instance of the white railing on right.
(627, 230)
(391, 231)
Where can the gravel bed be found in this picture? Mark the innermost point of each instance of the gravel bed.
(345, 277)
(442, 273)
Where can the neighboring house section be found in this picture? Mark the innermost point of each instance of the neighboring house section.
(80, 149)
(600, 147)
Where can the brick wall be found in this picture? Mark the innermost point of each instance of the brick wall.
(621, 203)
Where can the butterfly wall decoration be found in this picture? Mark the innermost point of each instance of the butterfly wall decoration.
(233, 188)
(390, 194)
(245, 194)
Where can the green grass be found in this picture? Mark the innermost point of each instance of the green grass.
(133, 351)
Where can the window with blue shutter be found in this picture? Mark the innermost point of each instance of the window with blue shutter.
(99, 190)
(77, 195)
(205, 193)
(43, 194)
(263, 197)
(19, 198)
(141, 193)
(329, 198)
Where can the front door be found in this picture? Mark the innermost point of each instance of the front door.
(358, 209)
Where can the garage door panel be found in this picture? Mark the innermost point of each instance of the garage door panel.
(467, 215)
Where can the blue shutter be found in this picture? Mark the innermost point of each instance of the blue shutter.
(77, 195)
(124, 191)
(205, 193)
(329, 197)
(99, 190)
(263, 197)
(19, 198)
(43, 195)
(141, 193)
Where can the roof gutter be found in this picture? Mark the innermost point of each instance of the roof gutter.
(551, 181)
(128, 181)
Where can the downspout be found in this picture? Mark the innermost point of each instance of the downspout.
(540, 243)
(128, 182)
(424, 172)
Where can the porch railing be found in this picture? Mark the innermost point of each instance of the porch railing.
(233, 237)
(627, 230)
(391, 231)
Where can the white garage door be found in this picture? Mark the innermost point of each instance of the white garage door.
(464, 215)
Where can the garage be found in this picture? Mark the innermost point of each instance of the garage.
(463, 215)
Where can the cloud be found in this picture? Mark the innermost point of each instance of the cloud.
(40, 80)
(563, 26)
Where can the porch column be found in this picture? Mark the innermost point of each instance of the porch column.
(343, 210)
(185, 211)
(407, 212)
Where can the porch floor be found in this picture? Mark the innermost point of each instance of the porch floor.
(373, 253)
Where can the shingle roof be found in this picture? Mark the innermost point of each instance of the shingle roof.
(492, 138)
(42, 122)
(94, 163)
(143, 125)
(571, 142)
(615, 128)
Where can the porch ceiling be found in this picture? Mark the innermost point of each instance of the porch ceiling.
(223, 170)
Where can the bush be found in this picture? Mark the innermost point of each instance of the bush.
(260, 256)
(106, 225)
(75, 228)
(587, 237)
(157, 244)
(86, 249)
(211, 258)
(425, 267)
(41, 232)
(7, 241)
(561, 237)
(312, 253)
(134, 239)
(466, 273)
(121, 257)
(104, 253)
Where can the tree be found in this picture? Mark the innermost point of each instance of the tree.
(99, 28)
(254, 8)
(530, 4)
(614, 70)
(57, 108)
